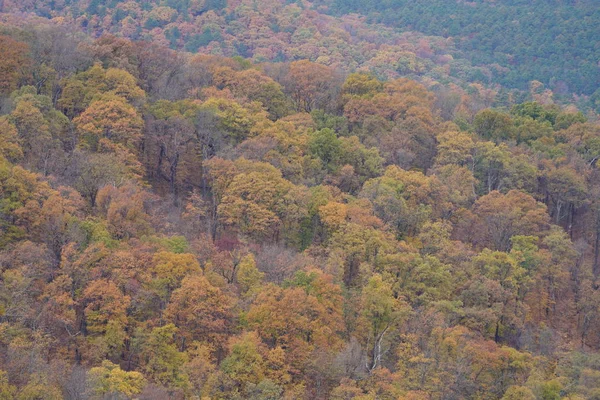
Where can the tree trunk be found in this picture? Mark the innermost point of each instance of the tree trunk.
(173, 179)
(596, 267)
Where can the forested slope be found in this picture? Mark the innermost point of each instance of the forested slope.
(504, 44)
(178, 225)
(554, 42)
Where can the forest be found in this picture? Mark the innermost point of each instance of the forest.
(201, 223)
(504, 44)
(551, 41)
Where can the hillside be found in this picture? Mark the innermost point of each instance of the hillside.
(204, 225)
(507, 43)
(554, 42)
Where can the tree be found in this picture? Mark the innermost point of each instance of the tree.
(163, 362)
(169, 269)
(234, 121)
(40, 129)
(56, 216)
(504, 300)
(459, 182)
(490, 165)
(201, 367)
(302, 317)
(566, 189)
(14, 64)
(455, 148)
(357, 250)
(244, 364)
(9, 143)
(400, 99)
(110, 380)
(55, 56)
(585, 139)
(259, 202)
(367, 162)
(167, 143)
(361, 85)
(93, 171)
(104, 303)
(497, 168)
(405, 199)
(7, 391)
(420, 280)
(529, 130)
(110, 117)
(125, 210)
(411, 143)
(499, 217)
(325, 145)
(252, 85)
(39, 387)
(493, 125)
(202, 311)
(553, 273)
(82, 89)
(161, 71)
(249, 278)
(310, 85)
(535, 111)
(518, 393)
(381, 311)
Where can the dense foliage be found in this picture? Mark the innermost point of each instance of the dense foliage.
(554, 42)
(195, 226)
(508, 42)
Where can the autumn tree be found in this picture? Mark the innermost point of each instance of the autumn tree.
(499, 217)
(14, 65)
(106, 316)
(257, 200)
(93, 171)
(169, 269)
(245, 364)
(201, 310)
(113, 118)
(248, 276)
(9, 142)
(43, 131)
(566, 190)
(300, 318)
(455, 148)
(310, 85)
(82, 89)
(252, 85)
(405, 199)
(125, 208)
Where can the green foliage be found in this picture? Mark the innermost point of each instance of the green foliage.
(325, 145)
(522, 36)
(97, 231)
(518, 392)
(248, 276)
(494, 125)
(200, 40)
(7, 391)
(111, 380)
(164, 361)
(173, 244)
(244, 363)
